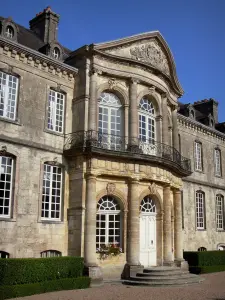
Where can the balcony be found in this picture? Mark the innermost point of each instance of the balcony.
(123, 147)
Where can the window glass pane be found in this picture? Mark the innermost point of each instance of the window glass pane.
(6, 174)
(56, 111)
(200, 210)
(51, 192)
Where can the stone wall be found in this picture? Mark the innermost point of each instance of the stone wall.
(206, 181)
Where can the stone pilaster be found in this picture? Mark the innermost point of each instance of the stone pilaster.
(133, 238)
(167, 232)
(175, 129)
(178, 233)
(133, 119)
(126, 122)
(93, 101)
(90, 258)
(165, 138)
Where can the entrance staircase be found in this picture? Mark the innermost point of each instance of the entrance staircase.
(163, 276)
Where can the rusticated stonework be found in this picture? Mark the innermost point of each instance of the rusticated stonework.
(152, 54)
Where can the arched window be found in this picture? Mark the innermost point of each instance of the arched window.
(9, 33)
(200, 210)
(6, 183)
(147, 130)
(202, 249)
(56, 53)
(219, 212)
(221, 247)
(4, 254)
(51, 253)
(147, 205)
(108, 222)
(110, 121)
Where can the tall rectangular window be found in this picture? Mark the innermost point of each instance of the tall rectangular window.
(219, 212)
(200, 210)
(198, 156)
(8, 95)
(51, 192)
(56, 103)
(6, 175)
(217, 161)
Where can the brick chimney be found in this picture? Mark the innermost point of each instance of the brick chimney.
(45, 25)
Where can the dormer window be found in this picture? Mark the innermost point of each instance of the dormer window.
(9, 33)
(56, 53)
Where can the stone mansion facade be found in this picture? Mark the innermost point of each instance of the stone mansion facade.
(96, 149)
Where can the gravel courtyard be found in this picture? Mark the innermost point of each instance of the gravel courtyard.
(213, 288)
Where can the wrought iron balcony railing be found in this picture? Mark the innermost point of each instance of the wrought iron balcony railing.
(146, 149)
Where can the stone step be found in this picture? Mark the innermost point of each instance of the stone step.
(181, 282)
(162, 269)
(165, 273)
(165, 278)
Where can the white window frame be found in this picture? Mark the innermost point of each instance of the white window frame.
(217, 160)
(219, 212)
(4, 253)
(50, 253)
(107, 214)
(54, 104)
(7, 93)
(56, 53)
(198, 156)
(110, 107)
(200, 210)
(9, 32)
(48, 176)
(10, 189)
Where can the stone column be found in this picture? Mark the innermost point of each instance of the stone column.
(175, 129)
(90, 258)
(178, 232)
(93, 101)
(167, 232)
(125, 231)
(133, 119)
(133, 225)
(165, 138)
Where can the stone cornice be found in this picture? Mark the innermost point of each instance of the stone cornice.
(36, 59)
(190, 123)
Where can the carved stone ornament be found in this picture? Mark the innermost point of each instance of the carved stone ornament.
(110, 188)
(152, 54)
(152, 188)
(151, 89)
(112, 83)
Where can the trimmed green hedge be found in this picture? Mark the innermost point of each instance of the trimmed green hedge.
(13, 291)
(206, 269)
(205, 258)
(16, 271)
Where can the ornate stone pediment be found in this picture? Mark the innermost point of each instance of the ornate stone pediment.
(152, 54)
(148, 50)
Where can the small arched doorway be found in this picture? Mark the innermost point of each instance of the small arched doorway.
(148, 232)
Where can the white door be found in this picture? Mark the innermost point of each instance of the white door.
(148, 239)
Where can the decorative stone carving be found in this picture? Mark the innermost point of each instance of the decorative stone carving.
(152, 54)
(110, 188)
(112, 83)
(151, 89)
(152, 188)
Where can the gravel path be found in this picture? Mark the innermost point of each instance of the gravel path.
(212, 288)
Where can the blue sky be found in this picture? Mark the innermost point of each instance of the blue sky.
(194, 30)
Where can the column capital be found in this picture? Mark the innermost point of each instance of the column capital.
(94, 71)
(176, 191)
(90, 176)
(134, 80)
(159, 118)
(165, 95)
(166, 185)
(133, 180)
